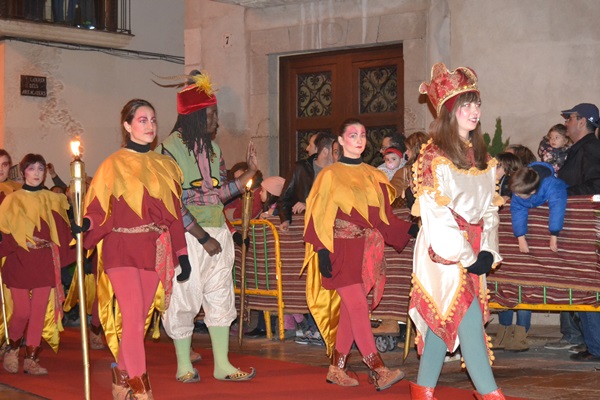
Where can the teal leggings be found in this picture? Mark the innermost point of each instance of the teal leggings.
(472, 347)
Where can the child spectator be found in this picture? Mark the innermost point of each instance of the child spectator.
(393, 160)
(402, 179)
(508, 164)
(533, 186)
(269, 194)
(523, 152)
(553, 147)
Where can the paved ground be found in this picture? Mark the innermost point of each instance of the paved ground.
(535, 374)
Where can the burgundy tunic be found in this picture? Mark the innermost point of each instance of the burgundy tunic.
(347, 259)
(133, 249)
(34, 268)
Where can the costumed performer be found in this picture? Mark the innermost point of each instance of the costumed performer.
(209, 240)
(35, 236)
(456, 198)
(348, 219)
(133, 214)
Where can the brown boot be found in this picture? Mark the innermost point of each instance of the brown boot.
(503, 337)
(337, 371)
(11, 357)
(96, 342)
(120, 387)
(31, 364)
(381, 376)
(495, 395)
(519, 340)
(421, 392)
(140, 387)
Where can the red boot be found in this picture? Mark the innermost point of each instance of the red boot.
(140, 387)
(421, 392)
(31, 365)
(11, 357)
(381, 376)
(495, 395)
(337, 371)
(120, 387)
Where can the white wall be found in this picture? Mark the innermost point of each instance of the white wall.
(87, 89)
(534, 58)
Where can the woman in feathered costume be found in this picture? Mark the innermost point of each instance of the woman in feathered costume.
(133, 207)
(348, 219)
(35, 237)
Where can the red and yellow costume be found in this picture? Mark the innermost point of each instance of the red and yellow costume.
(348, 213)
(35, 241)
(134, 208)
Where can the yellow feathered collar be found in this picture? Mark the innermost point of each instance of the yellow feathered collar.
(126, 173)
(9, 186)
(345, 187)
(21, 214)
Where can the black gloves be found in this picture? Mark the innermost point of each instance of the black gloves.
(0, 236)
(237, 239)
(186, 268)
(483, 265)
(87, 266)
(75, 229)
(324, 263)
(413, 230)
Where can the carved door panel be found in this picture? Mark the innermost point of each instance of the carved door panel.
(319, 91)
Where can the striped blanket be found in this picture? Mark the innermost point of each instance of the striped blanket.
(571, 276)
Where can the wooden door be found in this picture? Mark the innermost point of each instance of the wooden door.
(319, 91)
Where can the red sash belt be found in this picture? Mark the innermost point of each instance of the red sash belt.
(373, 266)
(164, 267)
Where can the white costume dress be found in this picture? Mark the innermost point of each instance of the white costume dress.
(459, 213)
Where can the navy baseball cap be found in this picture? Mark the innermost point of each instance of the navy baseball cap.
(586, 110)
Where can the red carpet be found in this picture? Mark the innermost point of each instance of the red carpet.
(274, 379)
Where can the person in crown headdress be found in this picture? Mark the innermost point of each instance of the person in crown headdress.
(455, 192)
(209, 241)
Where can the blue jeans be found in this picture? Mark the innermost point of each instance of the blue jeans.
(590, 322)
(523, 318)
(570, 327)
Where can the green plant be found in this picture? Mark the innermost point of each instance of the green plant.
(495, 145)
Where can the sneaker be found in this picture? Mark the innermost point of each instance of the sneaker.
(304, 339)
(450, 357)
(578, 349)
(559, 345)
(316, 339)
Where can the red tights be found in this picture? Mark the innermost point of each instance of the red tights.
(354, 325)
(134, 289)
(28, 311)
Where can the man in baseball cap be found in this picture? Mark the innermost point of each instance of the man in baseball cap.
(585, 110)
(581, 171)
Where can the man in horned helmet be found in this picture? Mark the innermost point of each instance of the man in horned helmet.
(209, 241)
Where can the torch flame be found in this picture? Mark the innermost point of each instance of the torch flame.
(249, 185)
(75, 147)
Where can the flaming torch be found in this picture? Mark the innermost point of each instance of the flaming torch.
(247, 200)
(78, 179)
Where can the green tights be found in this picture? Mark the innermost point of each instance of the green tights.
(472, 347)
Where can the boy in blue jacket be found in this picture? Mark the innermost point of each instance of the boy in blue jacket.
(533, 186)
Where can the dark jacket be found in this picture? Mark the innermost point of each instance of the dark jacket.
(551, 190)
(581, 170)
(297, 187)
